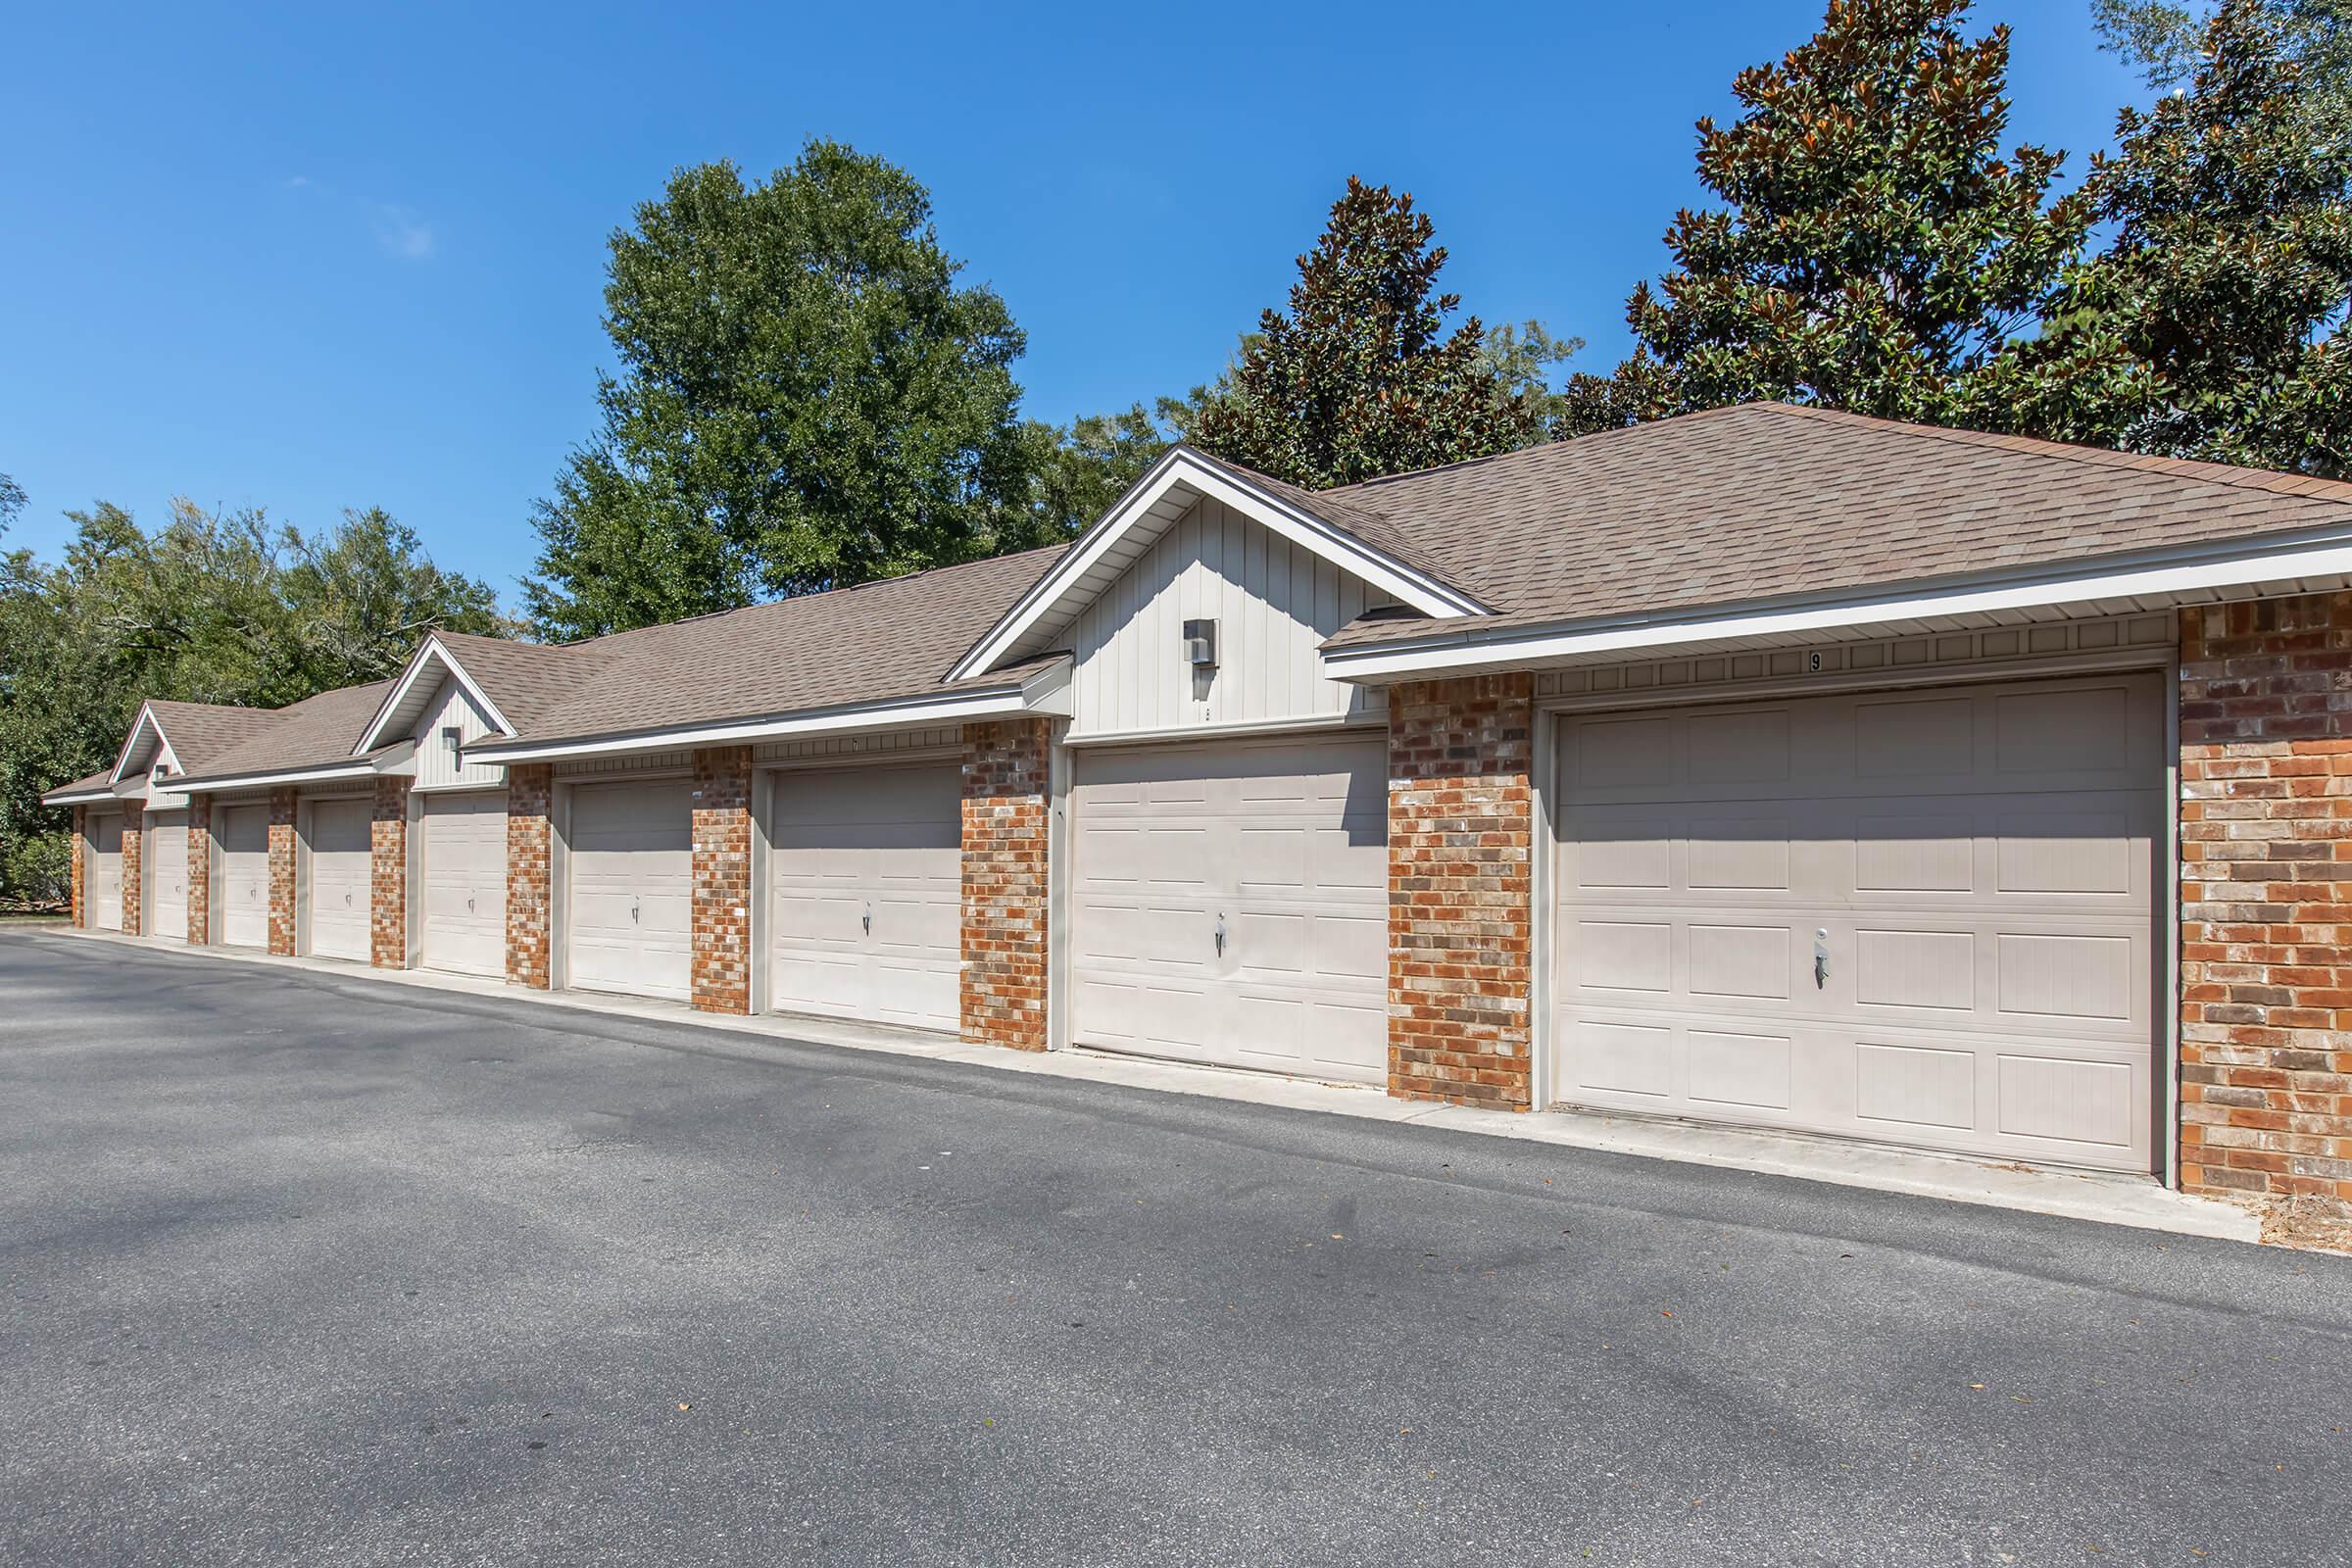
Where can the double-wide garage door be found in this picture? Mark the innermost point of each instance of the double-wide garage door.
(1229, 904)
(1917, 918)
(340, 877)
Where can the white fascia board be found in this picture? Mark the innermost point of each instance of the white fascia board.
(1006, 701)
(145, 721)
(1183, 469)
(433, 651)
(291, 775)
(1470, 653)
(79, 797)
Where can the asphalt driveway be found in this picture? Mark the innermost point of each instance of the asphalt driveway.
(302, 1269)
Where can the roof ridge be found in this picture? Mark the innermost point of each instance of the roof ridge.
(1563, 441)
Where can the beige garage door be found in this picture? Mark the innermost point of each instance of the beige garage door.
(632, 864)
(465, 877)
(168, 883)
(866, 869)
(340, 878)
(105, 871)
(245, 876)
(1924, 919)
(1230, 904)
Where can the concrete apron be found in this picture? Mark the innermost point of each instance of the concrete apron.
(2102, 1197)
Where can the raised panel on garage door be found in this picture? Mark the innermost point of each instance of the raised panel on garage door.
(340, 878)
(105, 835)
(1281, 845)
(245, 876)
(866, 869)
(632, 864)
(1918, 918)
(168, 882)
(463, 850)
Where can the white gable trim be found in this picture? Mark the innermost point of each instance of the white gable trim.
(145, 721)
(1187, 471)
(434, 651)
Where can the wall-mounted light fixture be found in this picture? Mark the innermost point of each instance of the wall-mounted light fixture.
(1200, 643)
(454, 738)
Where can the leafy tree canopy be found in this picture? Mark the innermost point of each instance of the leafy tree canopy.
(2208, 326)
(808, 398)
(1875, 250)
(214, 608)
(1361, 378)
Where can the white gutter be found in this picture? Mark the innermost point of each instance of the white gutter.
(397, 763)
(1038, 696)
(1471, 651)
(77, 797)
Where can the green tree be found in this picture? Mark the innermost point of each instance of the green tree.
(808, 399)
(2209, 327)
(1076, 472)
(2167, 41)
(1361, 378)
(212, 608)
(1875, 251)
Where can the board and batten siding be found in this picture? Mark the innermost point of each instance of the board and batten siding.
(1273, 602)
(436, 767)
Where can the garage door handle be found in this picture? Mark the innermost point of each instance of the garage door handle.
(1220, 936)
(635, 908)
(346, 901)
(870, 919)
(470, 904)
(1821, 961)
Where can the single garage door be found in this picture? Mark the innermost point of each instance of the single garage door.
(105, 835)
(168, 854)
(866, 868)
(464, 876)
(1922, 917)
(632, 867)
(340, 879)
(245, 876)
(1230, 904)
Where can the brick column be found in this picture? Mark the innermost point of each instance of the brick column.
(1461, 827)
(722, 880)
(132, 868)
(134, 860)
(1006, 778)
(531, 874)
(2265, 918)
(79, 892)
(200, 871)
(282, 870)
(388, 876)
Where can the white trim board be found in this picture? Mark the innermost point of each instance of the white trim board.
(2182, 582)
(434, 650)
(1186, 476)
(1044, 693)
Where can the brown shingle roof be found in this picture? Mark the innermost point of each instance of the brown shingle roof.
(1765, 499)
(316, 732)
(99, 782)
(880, 640)
(201, 732)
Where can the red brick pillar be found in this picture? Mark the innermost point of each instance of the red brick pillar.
(282, 870)
(1462, 831)
(1006, 779)
(530, 875)
(200, 871)
(2266, 920)
(388, 876)
(722, 880)
(134, 860)
(81, 890)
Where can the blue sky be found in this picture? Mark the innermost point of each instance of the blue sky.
(327, 255)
